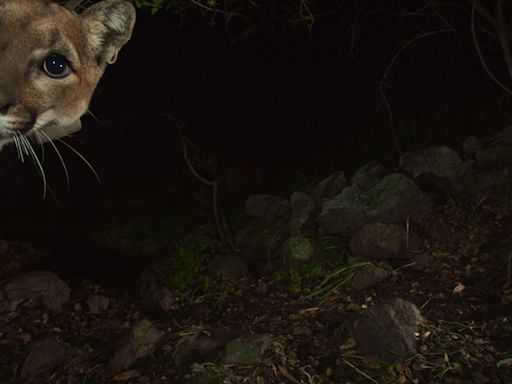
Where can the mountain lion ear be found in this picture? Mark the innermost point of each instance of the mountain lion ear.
(110, 24)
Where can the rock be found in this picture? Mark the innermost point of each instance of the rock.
(260, 242)
(329, 187)
(268, 207)
(503, 137)
(397, 198)
(435, 185)
(302, 207)
(481, 184)
(344, 213)
(493, 158)
(368, 175)
(228, 266)
(247, 349)
(142, 341)
(36, 288)
(384, 241)
(440, 161)
(300, 249)
(387, 330)
(470, 146)
(368, 276)
(43, 356)
(424, 262)
(202, 345)
(394, 199)
(97, 304)
(154, 295)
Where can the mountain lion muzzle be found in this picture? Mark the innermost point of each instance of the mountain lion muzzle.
(51, 59)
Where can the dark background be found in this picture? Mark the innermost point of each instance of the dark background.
(290, 104)
(287, 100)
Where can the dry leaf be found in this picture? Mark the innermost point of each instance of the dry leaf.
(459, 288)
(127, 375)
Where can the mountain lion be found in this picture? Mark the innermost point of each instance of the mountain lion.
(51, 59)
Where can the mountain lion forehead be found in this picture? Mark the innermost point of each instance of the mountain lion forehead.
(44, 22)
(20, 10)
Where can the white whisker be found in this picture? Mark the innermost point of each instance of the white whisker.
(93, 115)
(37, 135)
(16, 139)
(25, 145)
(83, 159)
(31, 152)
(60, 158)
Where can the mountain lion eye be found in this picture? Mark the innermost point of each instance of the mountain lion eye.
(56, 65)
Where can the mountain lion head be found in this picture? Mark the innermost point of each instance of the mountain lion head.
(51, 59)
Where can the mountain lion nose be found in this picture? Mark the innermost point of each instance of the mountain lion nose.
(5, 103)
(4, 108)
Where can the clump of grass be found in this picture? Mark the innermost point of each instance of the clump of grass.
(336, 280)
(186, 263)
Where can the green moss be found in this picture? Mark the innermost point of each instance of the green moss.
(186, 264)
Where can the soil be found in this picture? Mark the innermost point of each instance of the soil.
(463, 289)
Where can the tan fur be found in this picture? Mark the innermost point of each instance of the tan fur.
(32, 102)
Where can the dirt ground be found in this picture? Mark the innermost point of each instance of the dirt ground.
(463, 290)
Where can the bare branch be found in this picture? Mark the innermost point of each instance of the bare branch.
(481, 56)
(501, 32)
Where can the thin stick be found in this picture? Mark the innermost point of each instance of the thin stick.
(480, 55)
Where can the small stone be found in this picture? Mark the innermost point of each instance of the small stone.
(247, 349)
(154, 295)
(201, 345)
(368, 276)
(43, 356)
(37, 287)
(97, 303)
(142, 341)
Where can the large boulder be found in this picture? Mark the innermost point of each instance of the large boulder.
(368, 175)
(384, 241)
(329, 187)
(344, 213)
(395, 199)
(387, 330)
(440, 161)
(36, 288)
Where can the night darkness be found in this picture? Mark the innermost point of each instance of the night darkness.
(158, 276)
(282, 98)
(283, 102)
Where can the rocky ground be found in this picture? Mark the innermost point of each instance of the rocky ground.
(394, 276)
(280, 328)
